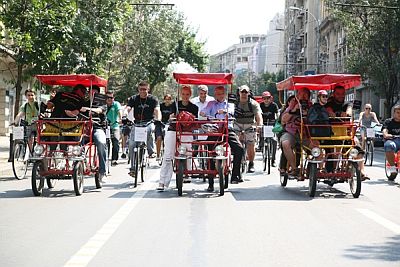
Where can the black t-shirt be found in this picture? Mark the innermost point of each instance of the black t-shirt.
(337, 107)
(392, 126)
(269, 112)
(99, 120)
(166, 111)
(192, 108)
(143, 109)
(65, 101)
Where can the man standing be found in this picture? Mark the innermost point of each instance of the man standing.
(114, 117)
(391, 133)
(218, 108)
(270, 113)
(248, 115)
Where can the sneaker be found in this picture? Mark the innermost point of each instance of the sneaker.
(123, 156)
(114, 163)
(251, 167)
(392, 169)
(273, 164)
(160, 187)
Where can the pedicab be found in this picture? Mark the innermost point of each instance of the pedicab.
(210, 138)
(315, 150)
(77, 155)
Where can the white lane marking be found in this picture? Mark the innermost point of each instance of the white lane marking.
(92, 247)
(380, 220)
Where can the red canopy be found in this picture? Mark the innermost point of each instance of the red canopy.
(203, 78)
(258, 98)
(320, 82)
(72, 80)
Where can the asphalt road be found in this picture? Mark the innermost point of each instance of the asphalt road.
(256, 223)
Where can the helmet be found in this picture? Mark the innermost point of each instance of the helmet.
(266, 93)
(185, 118)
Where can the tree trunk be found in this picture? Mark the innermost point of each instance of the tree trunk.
(18, 88)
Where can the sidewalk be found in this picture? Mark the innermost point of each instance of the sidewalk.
(5, 166)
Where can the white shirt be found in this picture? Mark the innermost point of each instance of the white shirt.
(201, 105)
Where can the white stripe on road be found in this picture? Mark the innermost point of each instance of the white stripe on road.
(92, 247)
(380, 220)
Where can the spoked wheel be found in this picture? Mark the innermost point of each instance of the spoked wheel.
(50, 182)
(355, 180)
(220, 169)
(77, 177)
(37, 179)
(283, 179)
(312, 179)
(179, 175)
(143, 163)
(391, 176)
(269, 155)
(265, 157)
(371, 152)
(19, 164)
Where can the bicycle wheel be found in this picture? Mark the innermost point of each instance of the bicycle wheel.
(312, 179)
(269, 155)
(264, 154)
(179, 175)
(371, 155)
(77, 178)
(37, 180)
(220, 169)
(143, 163)
(136, 159)
(366, 152)
(355, 180)
(19, 164)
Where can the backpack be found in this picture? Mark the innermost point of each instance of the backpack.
(318, 115)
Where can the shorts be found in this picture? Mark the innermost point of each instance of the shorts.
(250, 136)
(31, 130)
(392, 145)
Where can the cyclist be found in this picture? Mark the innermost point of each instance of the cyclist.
(183, 106)
(217, 108)
(166, 109)
(365, 120)
(145, 108)
(127, 119)
(99, 135)
(270, 113)
(248, 115)
(391, 133)
(29, 111)
(114, 117)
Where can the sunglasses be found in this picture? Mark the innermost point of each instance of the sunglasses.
(324, 96)
(244, 92)
(367, 108)
(267, 97)
(110, 97)
(167, 99)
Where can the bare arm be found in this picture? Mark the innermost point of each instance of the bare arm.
(386, 135)
(360, 118)
(157, 114)
(259, 119)
(375, 118)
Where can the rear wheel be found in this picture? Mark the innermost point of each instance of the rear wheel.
(37, 179)
(283, 179)
(143, 163)
(355, 180)
(77, 177)
(179, 175)
(97, 180)
(19, 164)
(50, 182)
(371, 155)
(136, 161)
(312, 179)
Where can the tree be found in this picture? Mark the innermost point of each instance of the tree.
(34, 35)
(373, 37)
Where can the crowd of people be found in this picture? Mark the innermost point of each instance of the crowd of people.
(244, 132)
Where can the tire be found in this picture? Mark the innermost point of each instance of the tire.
(355, 180)
(269, 155)
(97, 180)
(143, 164)
(389, 175)
(264, 155)
(220, 169)
(37, 180)
(77, 178)
(161, 154)
(135, 159)
(366, 153)
(226, 183)
(19, 164)
(284, 179)
(312, 179)
(50, 183)
(179, 175)
(371, 156)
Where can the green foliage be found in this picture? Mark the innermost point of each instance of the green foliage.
(373, 37)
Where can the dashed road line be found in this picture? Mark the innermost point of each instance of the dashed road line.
(381, 220)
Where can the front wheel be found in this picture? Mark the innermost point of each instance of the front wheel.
(37, 179)
(179, 175)
(19, 164)
(97, 180)
(283, 179)
(312, 179)
(355, 180)
(220, 169)
(77, 177)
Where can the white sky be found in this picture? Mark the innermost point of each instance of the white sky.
(220, 22)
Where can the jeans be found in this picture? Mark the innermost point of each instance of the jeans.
(116, 135)
(392, 145)
(99, 139)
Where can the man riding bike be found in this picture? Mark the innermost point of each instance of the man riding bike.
(391, 133)
(248, 115)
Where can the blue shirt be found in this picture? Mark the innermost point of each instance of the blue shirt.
(211, 110)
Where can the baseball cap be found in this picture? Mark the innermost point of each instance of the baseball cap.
(244, 88)
(322, 92)
(266, 94)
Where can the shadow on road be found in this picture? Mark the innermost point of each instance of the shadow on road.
(388, 251)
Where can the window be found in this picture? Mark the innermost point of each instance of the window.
(238, 59)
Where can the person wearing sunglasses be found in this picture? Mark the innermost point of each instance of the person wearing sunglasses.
(166, 109)
(365, 121)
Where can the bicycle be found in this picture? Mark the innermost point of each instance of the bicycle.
(369, 144)
(138, 151)
(392, 176)
(20, 155)
(268, 147)
(243, 140)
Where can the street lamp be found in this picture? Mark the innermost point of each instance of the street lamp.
(316, 32)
